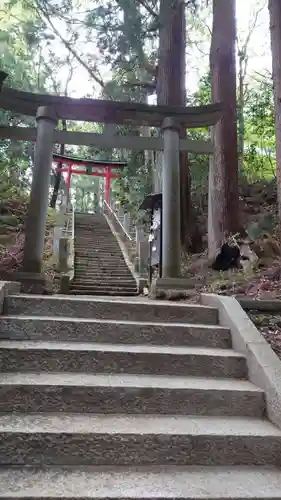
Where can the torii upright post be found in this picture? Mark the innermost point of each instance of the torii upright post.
(38, 205)
(68, 182)
(107, 184)
(171, 234)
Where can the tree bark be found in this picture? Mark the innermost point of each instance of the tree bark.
(274, 7)
(223, 217)
(241, 115)
(171, 91)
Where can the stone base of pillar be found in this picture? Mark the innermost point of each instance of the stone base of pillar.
(65, 282)
(173, 289)
(37, 283)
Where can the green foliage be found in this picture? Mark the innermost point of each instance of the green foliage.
(123, 36)
(261, 228)
(259, 159)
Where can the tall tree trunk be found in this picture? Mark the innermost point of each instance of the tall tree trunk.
(275, 31)
(171, 91)
(58, 175)
(241, 114)
(223, 217)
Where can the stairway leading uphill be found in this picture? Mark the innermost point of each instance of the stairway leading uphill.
(99, 265)
(128, 399)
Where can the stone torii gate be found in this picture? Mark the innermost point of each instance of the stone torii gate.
(49, 109)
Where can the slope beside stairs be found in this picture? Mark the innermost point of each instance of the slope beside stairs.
(99, 264)
(128, 399)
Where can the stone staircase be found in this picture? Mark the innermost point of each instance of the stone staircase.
(99, 265)
(128, 399)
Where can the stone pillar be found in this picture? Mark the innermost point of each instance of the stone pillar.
(143, 254)
(171, 234)
(39, 197)
(126, 221)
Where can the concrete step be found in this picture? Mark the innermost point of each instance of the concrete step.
(96, 242)
(99, 308)
(99, 241)
(104, 331)
(95, 269)
(102, 292)
(119, 270)
(86, 229)
(96, 285)
(107, 279)
(95, 253)
(83, 440)
(142, 483)
(96, 249)
(36, 356)
(84, 232)
(102, 260)
(110, 241)
(101, 278)
(129, 394)
(101, 275)
(114, 271)
(107, 263)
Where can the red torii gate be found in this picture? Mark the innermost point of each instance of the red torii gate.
(69, 162)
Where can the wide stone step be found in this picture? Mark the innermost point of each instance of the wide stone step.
(100, 264)
(92, 274)
(94, 249)
(104, 266)
(55, 439)
(129, 394)
(105, 277)
(104, 232)
(99, 308)
(106, 292)
(105, 289)
(100, 278)
(103, 260)
(100, 274)
(105, 281)
(35, 356)
(97, 239)
(91, 246)
(101, 252)
(142, 483)
(124, 332)
(107, 258)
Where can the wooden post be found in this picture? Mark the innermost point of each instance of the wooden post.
(171, 233)
(38, 205)
(107, 185)
(68, 180)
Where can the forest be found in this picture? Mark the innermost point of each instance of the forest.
(172, 52)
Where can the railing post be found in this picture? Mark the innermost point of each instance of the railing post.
(171, 235)
(38, 204)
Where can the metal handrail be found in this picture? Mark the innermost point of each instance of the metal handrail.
(117, 219)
